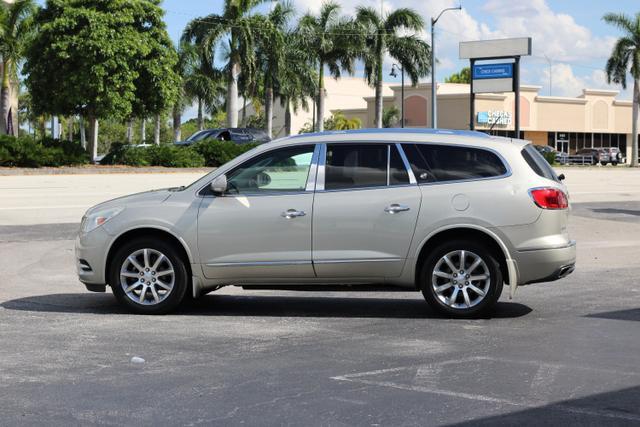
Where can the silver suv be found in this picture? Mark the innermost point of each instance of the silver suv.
(453, 214)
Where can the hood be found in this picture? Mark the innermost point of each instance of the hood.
(146, 197)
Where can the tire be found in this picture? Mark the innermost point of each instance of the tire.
(164, 278)
(603, 163)
(614, 163)
(460, 307)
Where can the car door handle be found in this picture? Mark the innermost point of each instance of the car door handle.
(395, 208)
(292, 213)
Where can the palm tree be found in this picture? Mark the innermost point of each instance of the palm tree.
(382, 37)
(16, 29)
(236, 29)
(298, 82)
(626, 56)
(271, 59)
(390, 116)
(334, 42)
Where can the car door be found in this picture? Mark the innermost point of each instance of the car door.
(365, 211)
(262, 227)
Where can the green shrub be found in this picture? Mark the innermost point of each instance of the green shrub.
(167, 155)
(217, 153)
(550, 157)
(175, 157)
(25, 151)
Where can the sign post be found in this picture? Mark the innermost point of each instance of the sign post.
(491, 77)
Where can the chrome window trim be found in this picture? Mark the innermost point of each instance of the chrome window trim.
(321, 167)
(407, 165)
(388, 164)
(313, 169)
(307, 189)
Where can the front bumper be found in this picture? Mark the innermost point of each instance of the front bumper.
(545, 265)
(90, 257)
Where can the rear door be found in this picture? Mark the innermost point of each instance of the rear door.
(365, 211)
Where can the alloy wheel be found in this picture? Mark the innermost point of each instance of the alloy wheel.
(461, 279)
(147, 276)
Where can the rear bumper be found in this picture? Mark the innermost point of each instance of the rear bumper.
(545, 265)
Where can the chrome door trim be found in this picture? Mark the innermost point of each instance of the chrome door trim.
(256, 263)
(407, 165)
(353, 261)
(388, 164)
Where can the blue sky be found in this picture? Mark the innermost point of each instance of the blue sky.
(569, 32)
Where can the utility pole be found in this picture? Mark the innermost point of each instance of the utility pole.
(434, 102)
(550, 75)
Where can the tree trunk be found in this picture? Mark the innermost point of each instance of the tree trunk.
(287, 117)
(634, 123)
(70, 128)
(130, 131)
(268, 110)
(379, 100)
(232, 96)
(177, 125)
(320, 100)
(93, 138)
(143, 131)
(200, 115)
(5, 95)
(83, 136)
(244, 111)
(156, 130)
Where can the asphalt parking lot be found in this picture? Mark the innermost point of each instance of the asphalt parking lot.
(562, 353)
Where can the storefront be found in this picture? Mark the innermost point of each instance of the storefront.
(593, 119)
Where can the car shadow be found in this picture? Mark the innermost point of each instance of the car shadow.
(631, 314)
(258, 305)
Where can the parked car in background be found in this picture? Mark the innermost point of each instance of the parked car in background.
(237, 135)
(597, 155)
(451, 214)
(615, 155)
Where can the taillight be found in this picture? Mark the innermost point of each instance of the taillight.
(549, 198)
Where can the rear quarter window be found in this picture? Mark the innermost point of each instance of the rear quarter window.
(442, 163)
(538, 164)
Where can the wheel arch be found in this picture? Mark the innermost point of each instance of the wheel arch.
(141, 232)
(466, 232)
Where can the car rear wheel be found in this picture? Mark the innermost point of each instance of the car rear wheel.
(461, 279)
(148, 277)
(603, 163)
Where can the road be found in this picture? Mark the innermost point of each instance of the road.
(566, 352)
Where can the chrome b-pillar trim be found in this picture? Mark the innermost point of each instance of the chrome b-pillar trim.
(407, 165)
(321, 167)
(313, 169)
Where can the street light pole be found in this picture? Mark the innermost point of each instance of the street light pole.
(394, 74)
(434, 103)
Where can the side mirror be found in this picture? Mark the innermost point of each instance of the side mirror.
(219, 185)
(561, 177)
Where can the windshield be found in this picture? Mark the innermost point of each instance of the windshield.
(199, 135)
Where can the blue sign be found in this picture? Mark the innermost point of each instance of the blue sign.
(493, 71)
(483, 117)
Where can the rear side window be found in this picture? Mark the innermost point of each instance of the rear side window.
(363, 165)
(538, 164)
(442, 163)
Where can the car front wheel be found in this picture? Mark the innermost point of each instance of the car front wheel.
(461, 279)
(148, 276)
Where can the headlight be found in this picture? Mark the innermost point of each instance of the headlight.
(96, 219)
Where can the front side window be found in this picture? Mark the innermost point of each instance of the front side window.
(282, 170)
(441, 163)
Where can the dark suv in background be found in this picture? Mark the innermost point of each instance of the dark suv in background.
(237, 135)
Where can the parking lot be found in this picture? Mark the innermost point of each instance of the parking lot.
(566, 352)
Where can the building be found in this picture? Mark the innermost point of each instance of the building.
(593, 119)
(347, 93)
